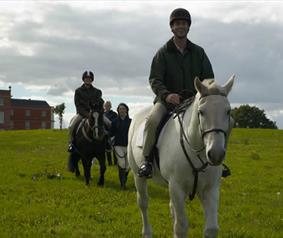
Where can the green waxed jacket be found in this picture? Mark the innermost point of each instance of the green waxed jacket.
(172, 72)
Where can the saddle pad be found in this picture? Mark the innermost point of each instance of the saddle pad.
(140, 135)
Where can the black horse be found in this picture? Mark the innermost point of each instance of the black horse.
(89, 142)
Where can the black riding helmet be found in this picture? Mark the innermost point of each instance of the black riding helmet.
(88, 74)
(180, 14)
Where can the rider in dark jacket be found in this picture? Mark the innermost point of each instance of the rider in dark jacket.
(85, 97)
(172, 72)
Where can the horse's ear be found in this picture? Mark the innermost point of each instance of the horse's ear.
(229, 84)
(199, 86)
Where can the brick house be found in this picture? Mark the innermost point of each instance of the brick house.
(23, 114)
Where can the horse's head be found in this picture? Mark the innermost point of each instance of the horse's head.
(215, 121)
(96, 122)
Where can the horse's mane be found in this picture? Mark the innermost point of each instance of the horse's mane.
(212, 87)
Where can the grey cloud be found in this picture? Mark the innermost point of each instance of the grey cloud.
(119, 47)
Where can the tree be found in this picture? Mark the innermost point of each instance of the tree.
(251, 117)
(59, 110)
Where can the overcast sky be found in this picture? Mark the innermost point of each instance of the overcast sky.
(46, 45)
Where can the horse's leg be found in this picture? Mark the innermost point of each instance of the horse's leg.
(172, 211)
(177, 203)
(102, 169)
(142, 200)
(210, 199)
(76, 161)
(87, 167)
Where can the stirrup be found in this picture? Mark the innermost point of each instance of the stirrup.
(145, 170)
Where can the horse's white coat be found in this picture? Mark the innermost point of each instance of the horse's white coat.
(209, 110)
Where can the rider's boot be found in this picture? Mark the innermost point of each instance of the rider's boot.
(225, 171)
(70, 147)
(145, 169)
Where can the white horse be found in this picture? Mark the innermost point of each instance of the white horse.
(192, 147)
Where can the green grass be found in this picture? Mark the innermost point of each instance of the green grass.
(39, 198)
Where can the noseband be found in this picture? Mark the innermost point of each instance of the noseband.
(213, 130)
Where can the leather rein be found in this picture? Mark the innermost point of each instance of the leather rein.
(180, 112)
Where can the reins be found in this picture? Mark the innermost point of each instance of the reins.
(180, 112)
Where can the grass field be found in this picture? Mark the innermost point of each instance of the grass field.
(39, 198)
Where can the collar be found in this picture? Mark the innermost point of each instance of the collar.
(84, 86)
(172, 47)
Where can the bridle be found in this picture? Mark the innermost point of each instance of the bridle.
(90, 137)
(180, 112)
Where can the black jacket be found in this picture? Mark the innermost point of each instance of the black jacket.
(86, 97)
(172, 72)
(111, 115)
(119, 130)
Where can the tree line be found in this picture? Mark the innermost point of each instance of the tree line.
(245, 116)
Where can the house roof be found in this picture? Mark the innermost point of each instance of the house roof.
(29, 103)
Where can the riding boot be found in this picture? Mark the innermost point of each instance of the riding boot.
(225, 171)
(71, 144)
(145, 169)
(109, 157)
(126, 176)
(115, 159)
(122, 177)
(71, 147)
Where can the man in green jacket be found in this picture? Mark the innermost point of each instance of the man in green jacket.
(173, 70)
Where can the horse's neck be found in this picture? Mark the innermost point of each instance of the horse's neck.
(193, 129)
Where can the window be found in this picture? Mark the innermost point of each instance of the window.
(1, 117)
(43, 113)
(12, 125)
(12, 113)
(1, 101)
(27, 125)
(27, 113)
(43, 125)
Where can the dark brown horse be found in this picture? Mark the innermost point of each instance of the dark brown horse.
(89, 143)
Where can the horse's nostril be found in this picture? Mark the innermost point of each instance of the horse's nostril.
(216, 156)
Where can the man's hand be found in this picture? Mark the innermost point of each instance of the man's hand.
(173, 98)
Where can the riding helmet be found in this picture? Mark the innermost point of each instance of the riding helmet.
(180, 14)
(88, 74)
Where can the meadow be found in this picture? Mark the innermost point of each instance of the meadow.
(40, 198)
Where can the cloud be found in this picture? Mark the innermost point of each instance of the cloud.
(47, 46)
